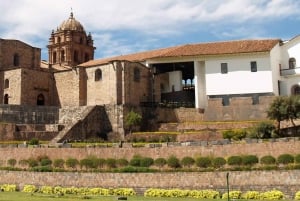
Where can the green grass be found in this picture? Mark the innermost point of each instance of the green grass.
(20, 196)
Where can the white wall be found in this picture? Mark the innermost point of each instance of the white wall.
(175, 79)
(239, 79)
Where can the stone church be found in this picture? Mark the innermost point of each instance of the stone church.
(216, 81)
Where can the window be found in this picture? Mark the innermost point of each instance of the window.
(253, 65)
(6, 83)
(58, 40)
(98, 75)
(16, 60)
(224, 68)
(136, 75)
(292, 63)
(40, 99)
(54, 57)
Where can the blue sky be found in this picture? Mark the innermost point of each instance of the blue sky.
(128, 26)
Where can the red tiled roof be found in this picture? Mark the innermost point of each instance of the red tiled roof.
(201, 49)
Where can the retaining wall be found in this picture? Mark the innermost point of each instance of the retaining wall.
(285, 181)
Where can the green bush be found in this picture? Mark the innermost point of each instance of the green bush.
(264, 130)
(297, 159)
(235, 160)
(12, 162)
(203, 162)
(173, 162)
(146, 162)
(135, 161)
(237, 134)
(101, 162)
(46, 162)
(285, 159)
(72, 163)
(86, 163)
(218, 162)
(32, 162)
(111, 163)
(122, 162)
(58, 163)
(160, 162)
(267, 160)
(46, 168)
(249, 160)
(187, 161)
(33, 141)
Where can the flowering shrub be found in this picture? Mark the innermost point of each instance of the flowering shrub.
(253, 195)
(232, 195)
(297, 196)
(201, 194)
(8, 187)
(29, 189)
(271, 195)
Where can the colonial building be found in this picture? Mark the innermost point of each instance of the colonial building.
(227, 80)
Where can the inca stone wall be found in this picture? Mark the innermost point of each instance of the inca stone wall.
(286, 181)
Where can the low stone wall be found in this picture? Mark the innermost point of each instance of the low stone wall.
(285, 181)
(260, 149)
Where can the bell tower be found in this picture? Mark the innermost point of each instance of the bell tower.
(69, 45)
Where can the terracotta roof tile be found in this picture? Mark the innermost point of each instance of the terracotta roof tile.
(214, 48)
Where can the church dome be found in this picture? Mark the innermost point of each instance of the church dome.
(70, 25)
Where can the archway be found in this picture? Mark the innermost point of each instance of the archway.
(40, 99)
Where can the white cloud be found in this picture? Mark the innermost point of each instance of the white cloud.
(32, 21)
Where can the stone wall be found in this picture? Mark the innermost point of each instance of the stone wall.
(240, 108)
(286, 181)
(204, 149)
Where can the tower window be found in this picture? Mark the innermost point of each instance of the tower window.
(40, 99)
(62, 56)
(98, 75)
(16, 60)
(75, 56)
(54, 57)
(6, 99)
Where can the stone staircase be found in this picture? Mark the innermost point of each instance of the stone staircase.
(70, 117)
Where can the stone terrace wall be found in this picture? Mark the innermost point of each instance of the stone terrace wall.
(28, 114)
(286, 181)
(260, 149)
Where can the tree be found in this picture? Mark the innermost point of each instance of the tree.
(284, 108)
(277, 111)
(132, 119)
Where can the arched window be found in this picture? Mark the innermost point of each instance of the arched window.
(58, 39)
(136, 75)
(6, 99)
(54, 57)
(16, 60)
(6, 83)
(296, 90)
(62, 56)
(98, 75)
(40, 99)
(292, 63)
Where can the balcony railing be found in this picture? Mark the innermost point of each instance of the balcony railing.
(293, 71)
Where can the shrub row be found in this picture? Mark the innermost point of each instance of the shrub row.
(211, 194)
(58, 190)
(141, 164)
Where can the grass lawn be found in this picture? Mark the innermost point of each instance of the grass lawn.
(19, 196)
